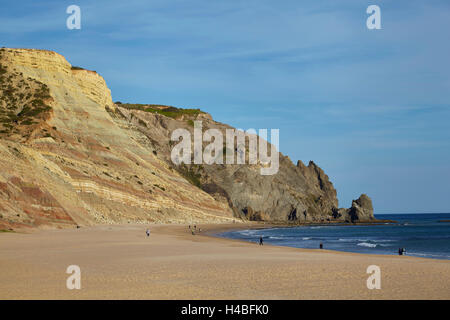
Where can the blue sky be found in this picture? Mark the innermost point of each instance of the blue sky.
(371, 107)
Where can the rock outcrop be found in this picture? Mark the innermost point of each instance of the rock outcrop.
(70, 156)
(360, 211)
(296, 193)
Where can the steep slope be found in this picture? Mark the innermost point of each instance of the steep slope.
(70, 156)
(296, 193)
(65, 161)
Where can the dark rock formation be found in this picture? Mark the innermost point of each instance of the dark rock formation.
(297, 193)
(360, 211)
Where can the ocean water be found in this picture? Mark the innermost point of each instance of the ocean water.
(420, 234)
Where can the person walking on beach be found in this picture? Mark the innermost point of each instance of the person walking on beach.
(147, 232)
(321, 245)
(261, 241)
(400, 251)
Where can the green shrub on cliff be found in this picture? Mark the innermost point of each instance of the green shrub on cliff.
(167, 111)
(190, 175)
(2, 70)
(22, 100)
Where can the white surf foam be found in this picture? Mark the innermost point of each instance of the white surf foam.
(366, 244)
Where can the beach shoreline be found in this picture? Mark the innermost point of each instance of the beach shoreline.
(339, 239)
(120, 262)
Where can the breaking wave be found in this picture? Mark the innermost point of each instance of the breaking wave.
(366, 244)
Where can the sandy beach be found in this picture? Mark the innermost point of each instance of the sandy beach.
(120, 262)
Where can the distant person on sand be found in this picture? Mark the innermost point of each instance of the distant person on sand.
(321, 245)
(400, 251)
(261, 241)
(147, 232)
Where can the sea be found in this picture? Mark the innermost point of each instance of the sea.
(422, 235)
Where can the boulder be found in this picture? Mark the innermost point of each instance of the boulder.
(361, 209)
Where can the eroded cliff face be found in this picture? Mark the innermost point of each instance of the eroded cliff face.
(70, 156)
(72, 164)
(297, 193)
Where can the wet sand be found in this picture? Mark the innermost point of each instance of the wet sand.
(120, 262)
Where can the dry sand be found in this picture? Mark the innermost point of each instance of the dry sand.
(120, 262)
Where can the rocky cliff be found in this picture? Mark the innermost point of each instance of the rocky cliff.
(297, 193)
(70, 156)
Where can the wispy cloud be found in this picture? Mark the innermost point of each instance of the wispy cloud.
(342, 95)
